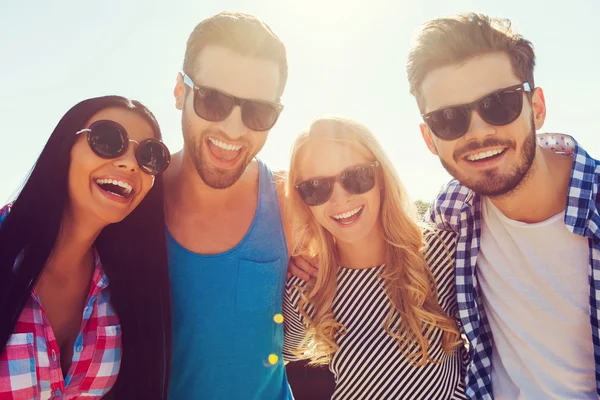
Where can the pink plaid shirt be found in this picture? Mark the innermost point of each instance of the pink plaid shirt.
(30, 364)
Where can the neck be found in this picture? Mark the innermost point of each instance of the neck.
(187, 192)
(542, 193)
(370, 252)
(73, 248)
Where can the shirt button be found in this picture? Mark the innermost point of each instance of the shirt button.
(273, 359)
(79, 348)
(53, 355)
(58, 392)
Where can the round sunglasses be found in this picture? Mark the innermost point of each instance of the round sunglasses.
(215, 106)
(498, 108)
(109, 140)
(355, 180)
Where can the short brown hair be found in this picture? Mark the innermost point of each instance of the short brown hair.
(456, 39)
(242, 33)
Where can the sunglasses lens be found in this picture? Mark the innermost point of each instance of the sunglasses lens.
(315, 191)
(212, 105)
(358, 180)
(259, 116)
(501, 108)
(153, 157)
(107, 140)
(449, 123)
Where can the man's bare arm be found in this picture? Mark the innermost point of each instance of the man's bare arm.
(297, 266)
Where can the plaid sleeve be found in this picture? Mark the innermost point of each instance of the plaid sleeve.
(18, 378)
(444, 211)
(4, 212)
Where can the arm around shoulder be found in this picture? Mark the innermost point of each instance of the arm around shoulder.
(444, 211)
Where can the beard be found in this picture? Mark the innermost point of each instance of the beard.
(211, 175)
(493, 183)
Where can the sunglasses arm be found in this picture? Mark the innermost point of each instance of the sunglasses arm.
(82, 131)
(188, 81)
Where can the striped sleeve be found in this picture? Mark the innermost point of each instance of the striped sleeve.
(439, 252)
(293, 324)
(440, 247)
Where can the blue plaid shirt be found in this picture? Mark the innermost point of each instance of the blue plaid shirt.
(458, 209)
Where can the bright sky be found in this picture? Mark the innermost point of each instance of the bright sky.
(346, 57)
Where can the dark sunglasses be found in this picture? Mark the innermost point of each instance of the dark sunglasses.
(498, 108)
(108, 139)
(355, 180)
(215, 106)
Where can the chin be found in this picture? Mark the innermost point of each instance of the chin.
(112, 220)
(108, 218)
(349, 237)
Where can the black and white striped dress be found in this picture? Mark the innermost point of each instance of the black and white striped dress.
(369, 364)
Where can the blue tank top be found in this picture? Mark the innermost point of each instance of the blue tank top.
(224, 336)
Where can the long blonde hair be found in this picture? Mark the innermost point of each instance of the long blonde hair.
(408, 280)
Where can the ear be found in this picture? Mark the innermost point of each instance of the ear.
(538, 104)
(179, 92)
(426, 134)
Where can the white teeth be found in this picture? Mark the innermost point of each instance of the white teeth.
(347, 214)
(224, 145)
(485, 154)
(128, 188)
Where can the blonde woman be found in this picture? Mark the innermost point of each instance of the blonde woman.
(379, 313)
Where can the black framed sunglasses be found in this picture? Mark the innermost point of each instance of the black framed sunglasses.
(108, 139)
(215, 106)
(357, 179)
(498, 108)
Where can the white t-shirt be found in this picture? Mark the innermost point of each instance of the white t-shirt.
(534, 282)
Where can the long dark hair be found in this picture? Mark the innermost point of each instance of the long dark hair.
(133, 253)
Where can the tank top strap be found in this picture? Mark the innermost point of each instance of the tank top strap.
(268, 226)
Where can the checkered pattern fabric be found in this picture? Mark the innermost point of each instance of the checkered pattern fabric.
(30, 363)
(459, 209)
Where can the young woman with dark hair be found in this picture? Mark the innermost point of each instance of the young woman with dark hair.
(84, 284)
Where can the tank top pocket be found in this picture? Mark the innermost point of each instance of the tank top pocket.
(257, 285)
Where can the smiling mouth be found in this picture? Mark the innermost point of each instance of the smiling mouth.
(485, 155)
(115, 187)
(348, 217)
(224, 151)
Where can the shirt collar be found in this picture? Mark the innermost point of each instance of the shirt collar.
(99, 278)
(581, 213)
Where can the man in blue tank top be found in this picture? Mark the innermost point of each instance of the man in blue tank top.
(227, 248)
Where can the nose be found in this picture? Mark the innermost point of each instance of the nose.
(233, 126)
(478, 128)
(127, 160)
(339, 194)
